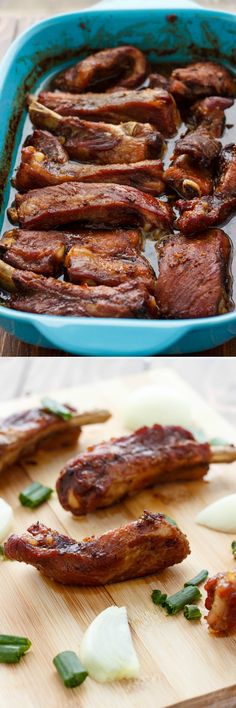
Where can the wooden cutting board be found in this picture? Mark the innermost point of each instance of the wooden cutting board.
(179, 660)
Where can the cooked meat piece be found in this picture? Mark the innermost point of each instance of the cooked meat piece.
(155, 106)
(109, 471)
(36, 170)
(227, 171)
(44, 251)
(199, 145)
(187, 178)
(200, 214)
(210, 113)
(156, 80)
(40, 251)
(91, 203)
(21, 433)
(99, 142)
(202, 79)
(221, 602)
(140, 548)
(45, 142)
(86, 266)
(194, 275)
(120, 66)
(34, 293)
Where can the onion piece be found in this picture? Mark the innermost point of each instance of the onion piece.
(221, 515)
(148, 405)
(6, 519)
(107, 652)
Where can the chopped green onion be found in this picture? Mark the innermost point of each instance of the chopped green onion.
(198, 579)
(158, 597)
(233, 546)
(34, 495)
(175, 603)
(9, 639)
(51, 406)
(192, 612)
(2, 551)
(70, 669)
(10, 654)
(171, 521)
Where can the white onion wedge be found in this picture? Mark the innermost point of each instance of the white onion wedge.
(107, 650)
(221, 515)
(148, 405)
(6, 519)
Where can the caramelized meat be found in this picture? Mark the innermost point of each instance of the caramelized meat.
(140, 548)
(194, 275)
(201, 79)
(43, 141)
(156, 80)
(34, 293)
(188, 178)
(86, 266)
(221, 602)
(155, 106)
(44, 251)
(91, 203)
(36, 170)
(100, 143)
(200, 214)
(227, 171)
(22, 433)
(120, 66)
(200, 146)
(210, 113)
(109, 471)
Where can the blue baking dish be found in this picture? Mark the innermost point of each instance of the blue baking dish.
(173, 31)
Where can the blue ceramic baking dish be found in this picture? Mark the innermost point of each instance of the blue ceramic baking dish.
(177, 32)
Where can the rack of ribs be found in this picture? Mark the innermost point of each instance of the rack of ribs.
(109, 471)
(200, 267)
(140, 548)
(24, 432)
(96, 204)
(31, 292)
(155, 106)
(36, 170)
(123, 66)
(45, 251)
(221, 602)
(100, 143)
(199, 214)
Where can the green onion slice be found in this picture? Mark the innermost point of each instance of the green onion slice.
(175, 603)
(51, 406)
(34, 495)
(158, 597)
(192, 612)
(198, 579)
(70, 669)
(10, 653)
(9, 639)
(171, 521)
(233, 546)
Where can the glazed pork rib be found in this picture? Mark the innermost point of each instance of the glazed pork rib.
(221, 602)
(201, 79)
(31, 292)
(83, 265)
(123, 66)
(155, 106)
(109, 471)
(199, 267)
(210, 114)
(100, 143)
(140, 548)
(89, 203)
(35, 170)
(44, 252)
(22, 433)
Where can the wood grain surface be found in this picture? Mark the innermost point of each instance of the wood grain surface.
(179, 661)
(10, 27)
